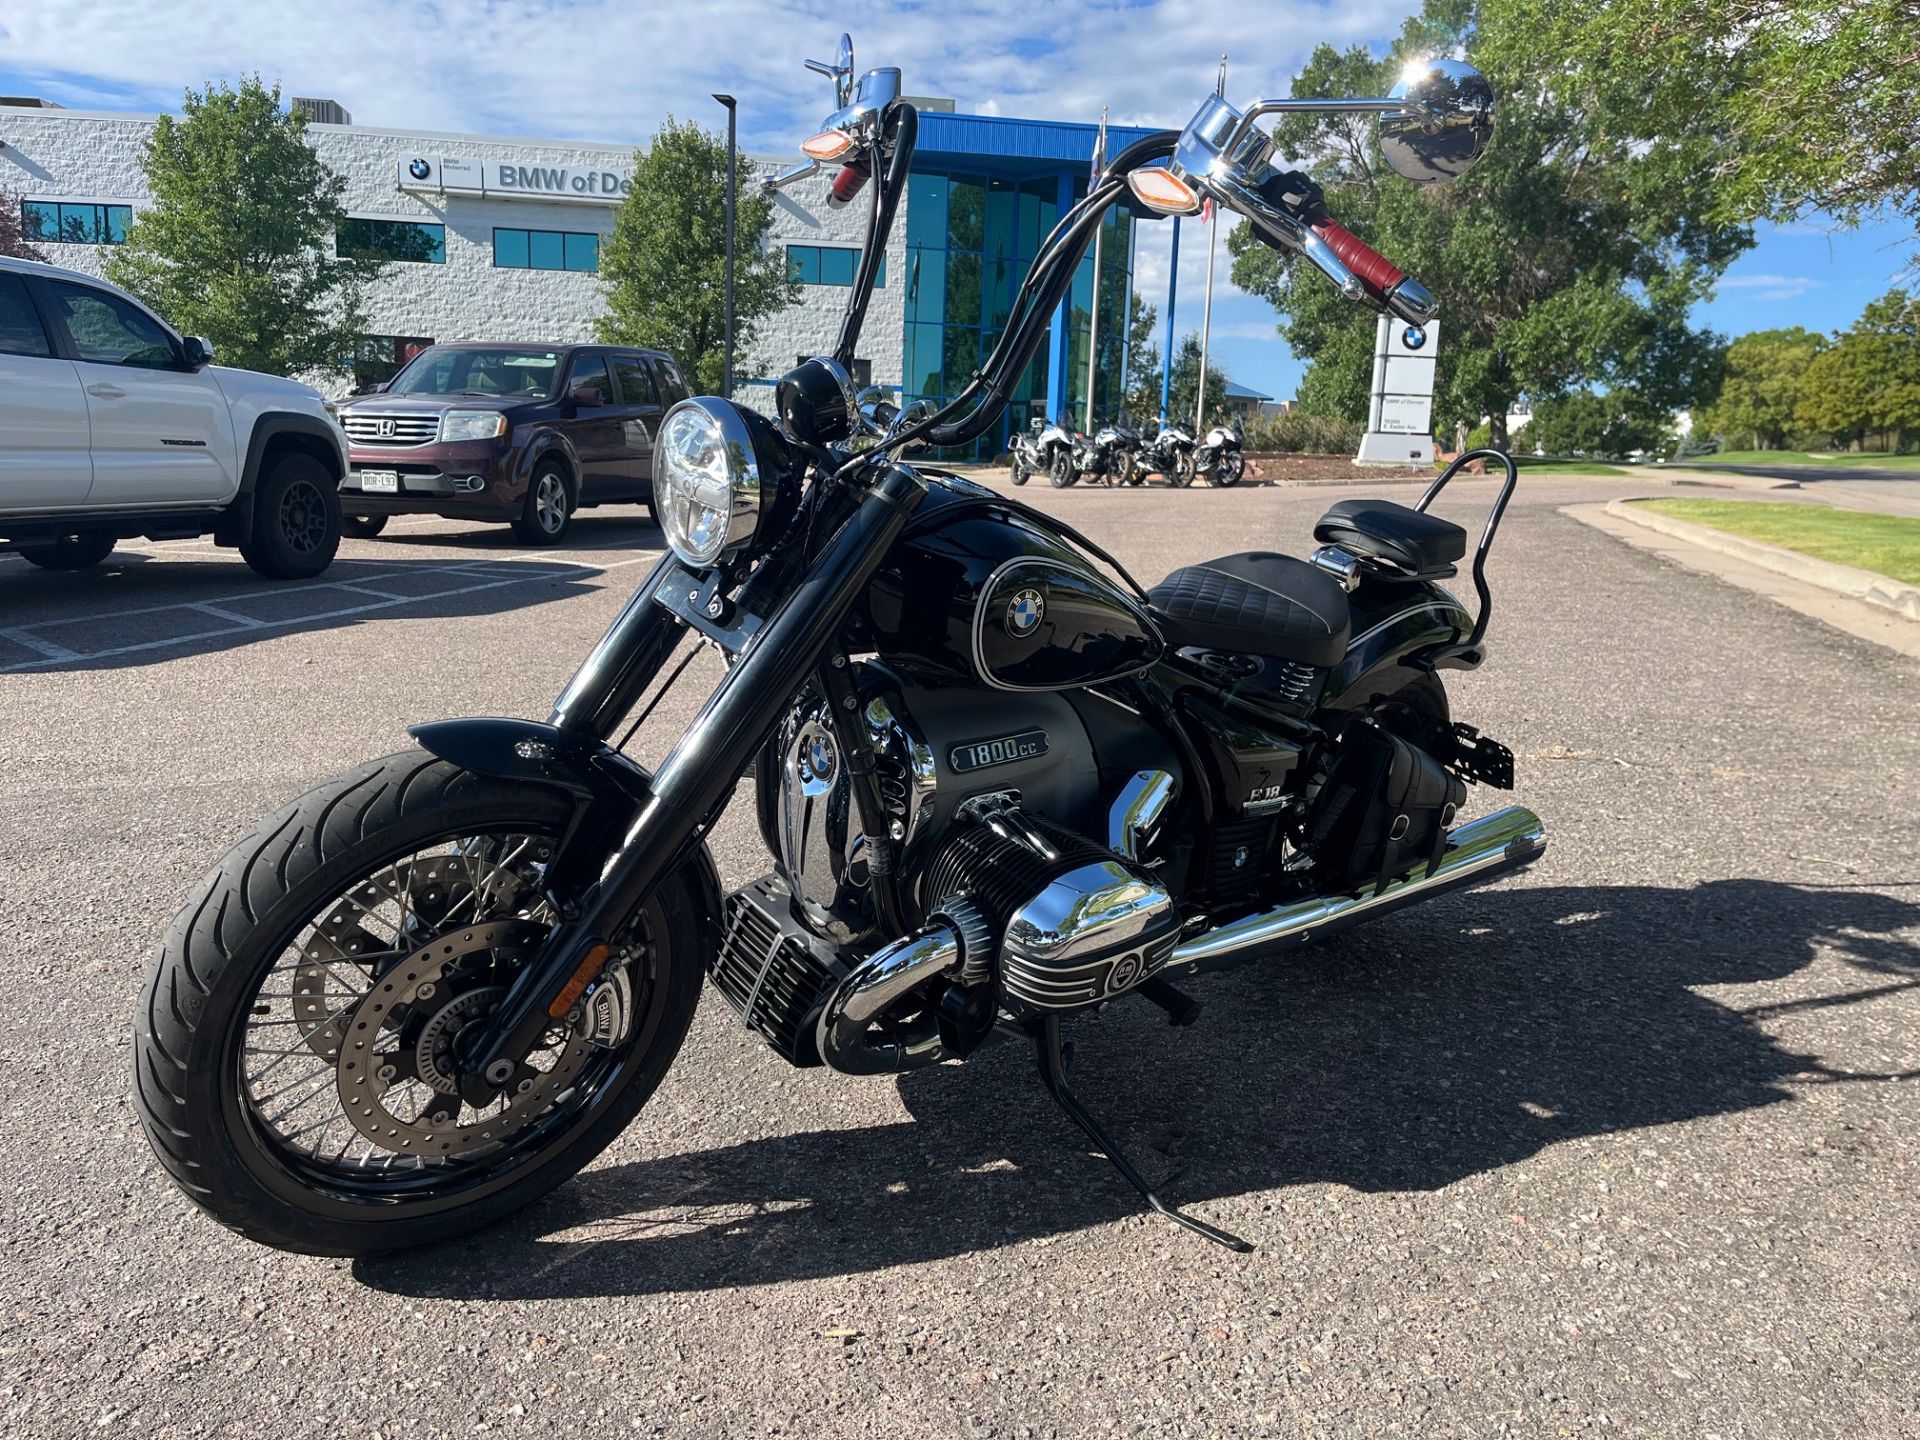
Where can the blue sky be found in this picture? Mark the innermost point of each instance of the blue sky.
(603, 70)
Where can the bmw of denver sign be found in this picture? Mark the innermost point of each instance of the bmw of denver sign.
(499, 180)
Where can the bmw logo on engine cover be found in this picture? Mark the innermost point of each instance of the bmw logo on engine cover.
(419, 169)
(1413, 337)
(1025, 612)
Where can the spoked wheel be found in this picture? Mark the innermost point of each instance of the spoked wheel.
(295, 1061)
(1060, 469)
(1179, 471)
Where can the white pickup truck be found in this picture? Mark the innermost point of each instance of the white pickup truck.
(112, 426)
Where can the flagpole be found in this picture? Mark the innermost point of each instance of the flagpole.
(1093, 319)
(1206, 306)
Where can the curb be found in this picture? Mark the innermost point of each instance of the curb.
(1867, 585)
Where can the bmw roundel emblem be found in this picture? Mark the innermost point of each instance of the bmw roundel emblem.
(1413, 337)
(1025, 612)
(419, 169)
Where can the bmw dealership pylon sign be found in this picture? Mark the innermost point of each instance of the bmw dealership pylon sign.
(507, 180)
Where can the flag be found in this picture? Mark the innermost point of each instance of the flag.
(1099, 151)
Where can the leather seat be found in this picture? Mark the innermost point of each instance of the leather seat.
(1257, 603)
(1412, 539)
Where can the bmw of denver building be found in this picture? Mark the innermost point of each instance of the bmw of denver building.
(499, 239)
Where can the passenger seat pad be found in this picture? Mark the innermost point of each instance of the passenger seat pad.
(1411, 539)
(1257, 603)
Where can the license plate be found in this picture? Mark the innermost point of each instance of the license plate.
(380, 482)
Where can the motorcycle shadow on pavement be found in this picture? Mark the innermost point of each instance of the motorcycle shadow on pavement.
(1434, 1045)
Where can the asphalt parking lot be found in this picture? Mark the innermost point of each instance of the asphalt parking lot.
(1625, 1145)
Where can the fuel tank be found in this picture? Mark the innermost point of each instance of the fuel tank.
(981, 590)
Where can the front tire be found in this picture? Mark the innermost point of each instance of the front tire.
(1060, 469)
(547, 513)
(1180, 470)
(69, 552)
(355, 882)
(296, 519)
(1231, 467)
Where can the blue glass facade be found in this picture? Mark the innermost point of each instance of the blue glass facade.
(983, 195)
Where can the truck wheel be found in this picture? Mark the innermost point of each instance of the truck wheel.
(296, 519)
(362, 527)
(548, 511)
(69, 552)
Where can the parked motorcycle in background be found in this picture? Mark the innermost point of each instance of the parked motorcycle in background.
(1170, 454)
(1051, 454)
(1001, 783)
(1221, 457)
(1023, 452)
(1110, 454)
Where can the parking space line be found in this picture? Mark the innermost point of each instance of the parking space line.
(45, 647)
(243, 624)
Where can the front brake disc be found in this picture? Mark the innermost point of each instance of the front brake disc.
(396, 1106)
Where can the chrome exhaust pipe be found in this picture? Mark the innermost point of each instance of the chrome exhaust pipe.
(876, 983)
(1509, 839)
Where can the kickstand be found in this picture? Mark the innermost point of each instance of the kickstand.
(1053, 1058)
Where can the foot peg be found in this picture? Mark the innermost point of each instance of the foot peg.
(1052, 1058)
(1182, 1009)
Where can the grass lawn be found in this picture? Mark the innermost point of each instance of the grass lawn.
(1886, 544)
(1837, 460)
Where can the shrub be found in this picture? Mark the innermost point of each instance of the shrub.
(1298, 433)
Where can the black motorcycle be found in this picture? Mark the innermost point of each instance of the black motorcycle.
(1002, 783)
(1221, 457)
(1110, 454)
(1170, 454)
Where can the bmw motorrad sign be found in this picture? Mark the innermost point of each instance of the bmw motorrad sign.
(507, 180)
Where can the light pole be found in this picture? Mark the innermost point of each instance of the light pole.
(733, 158)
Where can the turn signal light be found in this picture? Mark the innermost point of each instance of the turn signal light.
(827, 145)
(1164, 192)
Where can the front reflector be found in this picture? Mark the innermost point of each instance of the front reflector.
(1163, 192)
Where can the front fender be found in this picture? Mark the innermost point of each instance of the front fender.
(610, 788)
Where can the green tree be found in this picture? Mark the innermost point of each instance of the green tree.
(237, 245)
(665, 263)
(1143, 361)
(1569, 257)
(1612, 426)
(1815, 98)
(1186, 384)
(1761, 389)
(13, 238)
(1868, 381)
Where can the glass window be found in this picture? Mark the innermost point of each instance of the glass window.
(110, 331)
(927, 210)
(546, 250)
(803, 264)
(963, 290)
(966, 213)
(378, 358)
(577, 250)
(636, 385)
(61, 223)
(480, 370)
(672, 381)
(590, 373)
(409, 241)
(510, 249)
(20, 330)
(836, 267)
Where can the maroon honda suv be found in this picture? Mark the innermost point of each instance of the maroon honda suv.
(526, 434)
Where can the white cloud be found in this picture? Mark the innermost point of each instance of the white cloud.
(609, 69)
(1770, 287)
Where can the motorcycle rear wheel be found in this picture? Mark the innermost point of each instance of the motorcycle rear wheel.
(376, 895)
(1020, 472)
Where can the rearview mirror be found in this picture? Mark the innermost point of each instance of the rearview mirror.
(1442, 130)
(196, 352)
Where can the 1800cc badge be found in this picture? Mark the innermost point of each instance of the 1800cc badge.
(978, 754)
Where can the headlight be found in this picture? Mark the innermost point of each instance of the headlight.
(707, 480)
(472, 425)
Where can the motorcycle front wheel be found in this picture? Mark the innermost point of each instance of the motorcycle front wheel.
(293, 1056)
(1229, 468)
(1180, 470)
(1061, 471)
